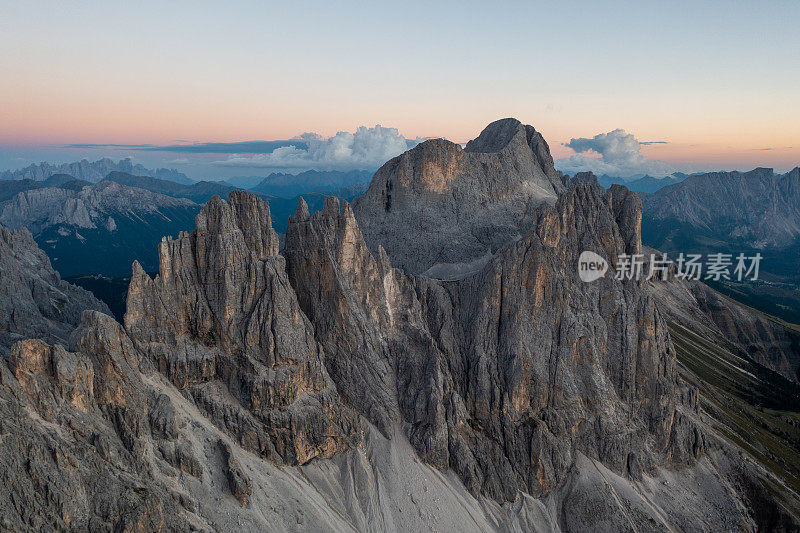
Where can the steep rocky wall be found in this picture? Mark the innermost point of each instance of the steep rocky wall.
(222, 322)
(327, 389)
(504, 375)
(234, 365)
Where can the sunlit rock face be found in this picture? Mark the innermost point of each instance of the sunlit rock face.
(504, 375)
(223, 323)
(440, 204)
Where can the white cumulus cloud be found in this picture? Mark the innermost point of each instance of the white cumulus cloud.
(366, 148)
(620, 155)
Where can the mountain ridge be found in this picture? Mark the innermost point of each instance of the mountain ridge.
(93, 171)
(97, 228)
(34, 300)
(333, 386)
(294, 185)
(756, 207)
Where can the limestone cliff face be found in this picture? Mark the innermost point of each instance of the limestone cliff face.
(440, 204)
(341, 288)
(549, 359)
(73, 423)
(505, 375)
(222, 322)
(34, 301)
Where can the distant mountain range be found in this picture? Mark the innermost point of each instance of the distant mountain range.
(643, 183)
(244, 182)
(758, 208)
(101, 228)
(97, 228)
(199, 192)
(92, 171)
(291, 185)
(10, 188)
(735, 212)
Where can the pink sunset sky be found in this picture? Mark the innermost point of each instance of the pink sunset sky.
(716, 86)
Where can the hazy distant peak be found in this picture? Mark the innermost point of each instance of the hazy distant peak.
(91, 171)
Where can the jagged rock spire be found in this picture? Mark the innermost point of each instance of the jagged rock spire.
(222, 311)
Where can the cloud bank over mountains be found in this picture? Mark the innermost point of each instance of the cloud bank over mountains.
(366, 148)
(239, 147)
(616, 153)
(620, 155)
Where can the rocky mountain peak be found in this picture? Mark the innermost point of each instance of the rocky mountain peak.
(512, 135)
(763, 172)
(440, 206)
(430, 167)
(249, 391)
(222, 322)
(497, 135)
(791, 183)
(244, 215)
(615, 213)
(301, 214)
(586, 177)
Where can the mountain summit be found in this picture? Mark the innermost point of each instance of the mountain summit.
(443, 207)
(321, 388)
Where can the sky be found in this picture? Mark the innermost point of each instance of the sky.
(705, 85)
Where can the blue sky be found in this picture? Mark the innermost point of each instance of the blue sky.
(716, 81)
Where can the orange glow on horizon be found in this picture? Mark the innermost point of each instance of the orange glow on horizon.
(42, 115)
